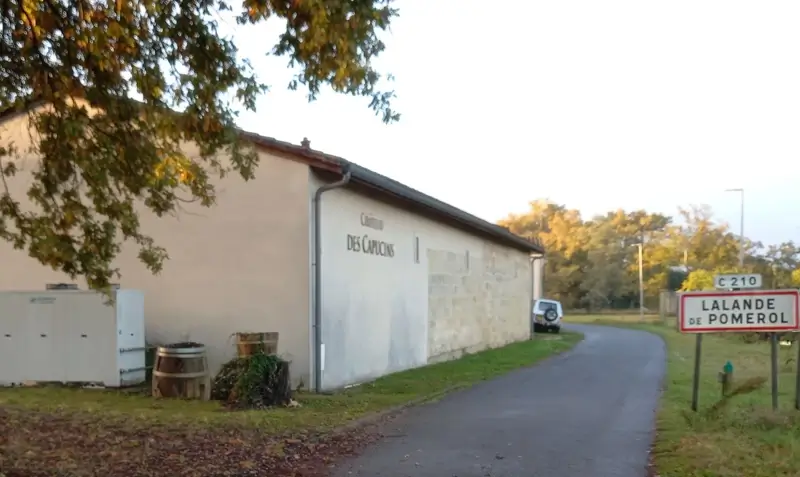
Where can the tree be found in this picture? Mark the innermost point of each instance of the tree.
(709, 245)
(782, 261)
(606, 278)
(648, 229)
(101, 154)
(699, 280)
(562, 234)
(796, 278)
(594, 264)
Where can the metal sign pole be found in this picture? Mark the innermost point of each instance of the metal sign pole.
(698, 351)
(797, 378)
(774, 371)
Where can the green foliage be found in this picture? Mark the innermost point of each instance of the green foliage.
(698, 280)
(675, 278)
(701, 279)
(796, 278)
(99, 157)
(593, 263)
(253, 382)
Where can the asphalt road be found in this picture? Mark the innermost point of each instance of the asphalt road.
(588, 412)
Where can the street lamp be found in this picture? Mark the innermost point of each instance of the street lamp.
(741, 225)
(641, 283)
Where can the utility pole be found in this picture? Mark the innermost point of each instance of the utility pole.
(741, 225)
(641, 283)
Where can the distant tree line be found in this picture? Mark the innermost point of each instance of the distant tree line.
(593, 263)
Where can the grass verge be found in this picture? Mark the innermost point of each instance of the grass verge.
(73, 432)
(316, 411)
(745, 438)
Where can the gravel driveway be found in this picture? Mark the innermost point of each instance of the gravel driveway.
(588, 412)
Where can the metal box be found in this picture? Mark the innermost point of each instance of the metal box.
(71, 336)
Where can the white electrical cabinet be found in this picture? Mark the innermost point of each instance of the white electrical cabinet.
(71, 336)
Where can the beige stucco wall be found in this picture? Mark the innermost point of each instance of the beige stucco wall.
(241, 265)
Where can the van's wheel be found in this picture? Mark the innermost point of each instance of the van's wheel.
(556, 329)
(537, 328)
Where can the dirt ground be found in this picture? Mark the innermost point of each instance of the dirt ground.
(57, 431)
(34, 444)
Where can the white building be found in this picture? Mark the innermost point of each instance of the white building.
(360, 275)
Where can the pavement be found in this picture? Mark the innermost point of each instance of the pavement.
(587, 412)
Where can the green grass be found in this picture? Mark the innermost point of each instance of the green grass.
(746, 438)
(317, 412)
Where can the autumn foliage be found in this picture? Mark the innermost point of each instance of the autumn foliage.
(127, 85)
(593, 262)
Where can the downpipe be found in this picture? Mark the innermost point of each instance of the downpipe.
(533, 261)
(317, 264)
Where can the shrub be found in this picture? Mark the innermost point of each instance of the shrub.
(257, 381)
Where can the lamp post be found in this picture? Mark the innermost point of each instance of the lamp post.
(641, 283)
(741, 225)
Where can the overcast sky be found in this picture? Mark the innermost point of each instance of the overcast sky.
(597, 105)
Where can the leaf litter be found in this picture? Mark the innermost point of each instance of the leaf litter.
(39, 444)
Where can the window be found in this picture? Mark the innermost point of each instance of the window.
(546, 306)
(416, 249)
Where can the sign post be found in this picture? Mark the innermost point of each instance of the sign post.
(765, 311)
(797, 379)
(698, 350)
(773, 354)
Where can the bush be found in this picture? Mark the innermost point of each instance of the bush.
(253, 382)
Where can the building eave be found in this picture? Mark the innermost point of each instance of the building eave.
(390, 187)
(374, 181)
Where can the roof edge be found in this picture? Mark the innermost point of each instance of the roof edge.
(391, 187)
(327, 162)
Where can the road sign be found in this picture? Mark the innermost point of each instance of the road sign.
(737, 280)
(756, 310)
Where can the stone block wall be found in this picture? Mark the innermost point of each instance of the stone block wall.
(476, 300)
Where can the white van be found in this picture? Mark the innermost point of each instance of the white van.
(546, 315)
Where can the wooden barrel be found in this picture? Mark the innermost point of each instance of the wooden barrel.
(247, 344)
(181, 371)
